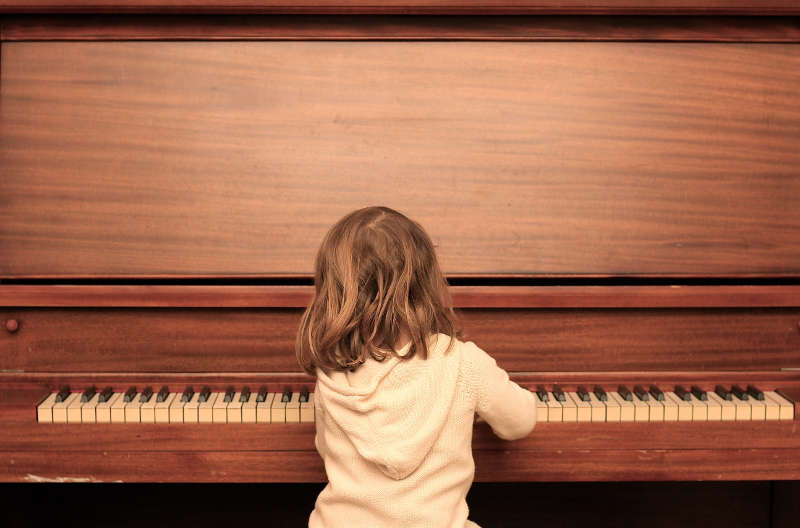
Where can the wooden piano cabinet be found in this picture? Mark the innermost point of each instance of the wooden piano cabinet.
(613, 198)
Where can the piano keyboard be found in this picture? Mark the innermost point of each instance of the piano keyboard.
(651, 404)
(643, 404)
(188, 406)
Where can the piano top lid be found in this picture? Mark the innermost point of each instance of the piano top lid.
(410, 7)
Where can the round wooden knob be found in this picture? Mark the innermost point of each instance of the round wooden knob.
(12, 325)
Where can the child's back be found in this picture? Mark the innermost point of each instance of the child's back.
(394, 427)
(396, 435)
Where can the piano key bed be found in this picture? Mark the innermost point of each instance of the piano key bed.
(643, 404)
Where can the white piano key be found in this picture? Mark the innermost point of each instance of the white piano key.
(74, 410)
(743, 410)
(205, 411)
(626, 408)
(147, 410)
(541, 409)
(656, 409)
(641, 410)
(60, 408)
(307, 410)
(699, 409)
(219, 412)
(613, 409)
(670, 408)
(785, 407)
(103, 410)
(684, 407)
(278, 409)
(598, 408)
(583, 409)
(569, 411)
(162, 409)
(133, 410)
(758, 409)
(44, 411)
(714, 408)
(190, 409)
(118, 409)
(234, 409)
(176, 408)
(89, 409)
(772, 408)
(293, 408)
(727, 408)
(555, 413)
(249, 409)
(264, 409)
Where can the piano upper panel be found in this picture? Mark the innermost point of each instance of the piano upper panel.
(231, 159)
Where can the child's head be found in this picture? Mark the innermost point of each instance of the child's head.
(376, 278)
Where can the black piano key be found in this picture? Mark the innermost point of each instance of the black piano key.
(228, 395)
(187, 394)
(147, 393)
(88, 394)
(541, 392)
(640, 393)
(723, 393)
(245, 396)
(657, 393)
(755, 393)
(262, 395)
(303, 395)
(625, 393)
(105, 395)
(558, 394)
(163, 394)
(739, 393)
(287, 395)
(600, 393)
(699, 393)
(682, 393)
(130, 394)
(583, 394)
(63, 394)
(204, 395)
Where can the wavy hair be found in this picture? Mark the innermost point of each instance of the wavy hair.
(376, 277)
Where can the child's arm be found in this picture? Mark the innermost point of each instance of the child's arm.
(508, 408)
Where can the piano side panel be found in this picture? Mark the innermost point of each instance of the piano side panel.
(231, 159)
(262, 340)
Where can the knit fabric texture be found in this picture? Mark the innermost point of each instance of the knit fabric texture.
(396, 435)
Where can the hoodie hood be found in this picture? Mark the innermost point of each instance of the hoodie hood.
(393, 411)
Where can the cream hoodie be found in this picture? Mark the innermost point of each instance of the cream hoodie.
(396, 436)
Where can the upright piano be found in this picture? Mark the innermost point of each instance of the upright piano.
(613, 189)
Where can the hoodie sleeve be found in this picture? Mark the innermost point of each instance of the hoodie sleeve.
(508, 408)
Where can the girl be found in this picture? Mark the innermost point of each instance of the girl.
(397, 390)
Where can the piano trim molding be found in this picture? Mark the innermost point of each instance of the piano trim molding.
(293, 296)
(407, 7)
(388, 27)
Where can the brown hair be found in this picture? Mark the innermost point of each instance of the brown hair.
(375, 276)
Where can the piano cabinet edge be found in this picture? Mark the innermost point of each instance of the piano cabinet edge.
(551, 465)
(26, 435)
